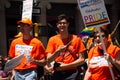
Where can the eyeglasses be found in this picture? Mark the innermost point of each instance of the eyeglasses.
(62, 23)
(99, 36)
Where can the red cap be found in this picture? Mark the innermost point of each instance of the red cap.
(26, 21)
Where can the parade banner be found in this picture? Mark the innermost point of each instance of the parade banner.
(12, 63)
(93, 12)
(27, 9)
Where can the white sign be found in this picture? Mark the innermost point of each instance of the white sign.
(93, 12)
(27, 9)
(11, 64)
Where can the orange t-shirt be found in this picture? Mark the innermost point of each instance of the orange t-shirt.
(32, 47)
(76, 46)
(101, 70)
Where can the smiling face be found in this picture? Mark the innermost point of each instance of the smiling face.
(62, 25)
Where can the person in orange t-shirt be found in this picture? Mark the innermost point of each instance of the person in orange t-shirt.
(98, 68)
(33, 50)
(66, 62)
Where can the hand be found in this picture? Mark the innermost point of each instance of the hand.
(30, 60)
(108, 57)
(49, 69)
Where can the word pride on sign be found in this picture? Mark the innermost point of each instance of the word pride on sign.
(93, 12)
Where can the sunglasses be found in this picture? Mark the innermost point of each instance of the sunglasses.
(23, 24)
(99, 36)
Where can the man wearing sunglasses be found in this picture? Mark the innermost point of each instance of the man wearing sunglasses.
(33, 50)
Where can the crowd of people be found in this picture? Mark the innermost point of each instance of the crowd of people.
(64, 58)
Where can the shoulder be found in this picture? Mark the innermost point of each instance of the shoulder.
(113, 47)
(93, 50)
(37, 41)
(76, 38)
(114, 50)
(73, 36)
(54, 37)
(16, 40)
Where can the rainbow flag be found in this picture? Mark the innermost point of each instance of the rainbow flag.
(86, 31)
